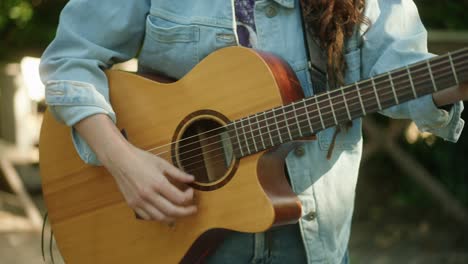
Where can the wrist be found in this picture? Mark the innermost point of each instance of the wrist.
(104, 138)
(114, 154)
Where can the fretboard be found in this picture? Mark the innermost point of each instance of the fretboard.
(306, 117)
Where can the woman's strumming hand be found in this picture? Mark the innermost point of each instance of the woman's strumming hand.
(152, 187)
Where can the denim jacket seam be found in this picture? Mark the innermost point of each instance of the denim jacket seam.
(56, 94)
(185, 33)
(212, 22)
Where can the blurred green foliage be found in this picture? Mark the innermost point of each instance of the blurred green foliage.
(443, 14)
(27, 26)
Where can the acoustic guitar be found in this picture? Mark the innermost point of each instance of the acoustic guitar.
(230, 122)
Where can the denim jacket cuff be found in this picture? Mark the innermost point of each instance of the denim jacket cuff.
(73, 93)
(71, 101)
(429, 118)
(74, 114)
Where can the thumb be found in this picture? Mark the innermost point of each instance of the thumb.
(177, 174)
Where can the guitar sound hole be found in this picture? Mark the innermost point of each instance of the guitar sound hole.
(205, 151)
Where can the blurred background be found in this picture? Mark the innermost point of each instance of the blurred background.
(412, 194)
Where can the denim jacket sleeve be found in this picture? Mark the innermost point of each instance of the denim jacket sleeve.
(91, 37)
(397, 37)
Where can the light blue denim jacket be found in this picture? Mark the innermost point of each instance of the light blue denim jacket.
(172, 36)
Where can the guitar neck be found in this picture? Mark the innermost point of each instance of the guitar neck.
(313, 114)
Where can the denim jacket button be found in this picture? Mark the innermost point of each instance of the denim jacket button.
(299, 151)
(271, 11)
(310, 216)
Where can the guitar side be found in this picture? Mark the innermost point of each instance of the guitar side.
(91, 221)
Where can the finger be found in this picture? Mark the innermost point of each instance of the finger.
(157, 215)
(141, 214)
(169, 209)
(177, 174)
(174, 194)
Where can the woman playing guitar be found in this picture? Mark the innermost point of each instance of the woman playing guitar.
(356, 39)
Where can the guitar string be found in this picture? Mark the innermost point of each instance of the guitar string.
(453, 55)
(300, 127)
(218, 158)
(396, 77)
(213, 159)
(246, 141)
(311, 112)
(272, 110)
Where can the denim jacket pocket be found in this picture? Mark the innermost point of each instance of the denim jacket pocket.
(169, 48)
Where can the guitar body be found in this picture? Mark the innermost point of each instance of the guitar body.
(92, 222)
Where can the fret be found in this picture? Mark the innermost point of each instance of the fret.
(314, 113)
(319, 112)
(268, 128)
(251, 133)
(308, 117)
(432, 76)
(402, 84)
(238, 138)
(393, 87)
(422, 78)
(352, 100)
(376, 94)
(453, 68)
(259, 129)
(346, 104)
(339, 107)
(384, 91)
(294, 110)
(360, 99)
(461, 67)
(245, 136)
(264, 132)
(332, 109)
(367, 95)
(277, 127)
(301, 118)
(286, 118)
(281, 121)
(442, 78)
(411, 81)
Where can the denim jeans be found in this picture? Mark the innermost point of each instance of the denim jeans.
(276, 246)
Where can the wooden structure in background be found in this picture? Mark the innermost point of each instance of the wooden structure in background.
(10, 155)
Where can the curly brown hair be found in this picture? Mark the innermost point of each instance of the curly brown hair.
(332, 21)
